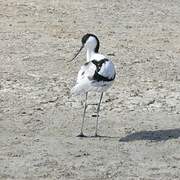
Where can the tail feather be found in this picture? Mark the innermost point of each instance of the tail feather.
(80, 89)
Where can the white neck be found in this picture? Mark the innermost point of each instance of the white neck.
(89, 54)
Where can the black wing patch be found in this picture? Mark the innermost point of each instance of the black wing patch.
(99, 63)
(97, 76)
(86, 63)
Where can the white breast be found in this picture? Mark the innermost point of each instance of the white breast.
(97, 57)
(87, 70)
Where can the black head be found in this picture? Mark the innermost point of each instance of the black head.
(86, 37)
(89, 39)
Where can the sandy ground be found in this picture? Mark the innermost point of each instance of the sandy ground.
(140, 114)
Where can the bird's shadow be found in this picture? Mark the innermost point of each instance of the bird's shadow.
(158, 135)
(100, 136)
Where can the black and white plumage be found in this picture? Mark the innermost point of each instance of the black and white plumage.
(97, 74)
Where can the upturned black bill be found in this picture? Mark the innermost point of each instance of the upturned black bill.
(77, 53)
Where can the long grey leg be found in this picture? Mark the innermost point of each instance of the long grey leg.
(98, 114)
(82, 125)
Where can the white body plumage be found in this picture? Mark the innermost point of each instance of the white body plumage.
(97, 74)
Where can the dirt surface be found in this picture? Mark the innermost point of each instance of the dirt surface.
(140, 114)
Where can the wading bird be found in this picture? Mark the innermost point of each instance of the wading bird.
(97, 74)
